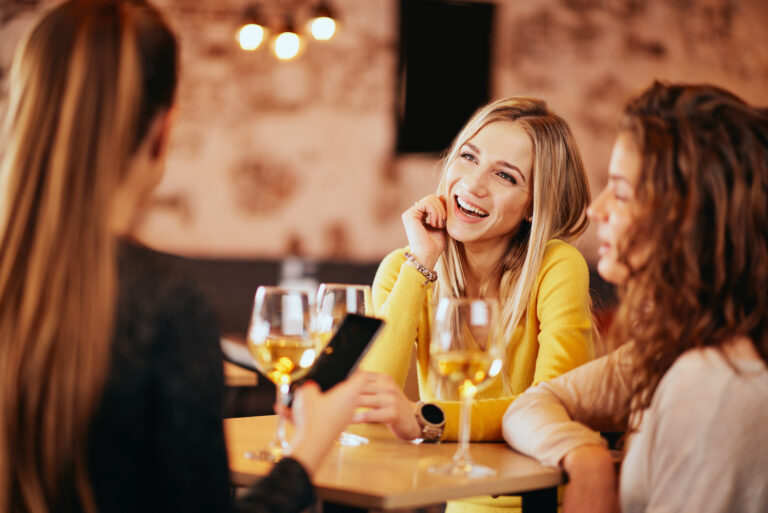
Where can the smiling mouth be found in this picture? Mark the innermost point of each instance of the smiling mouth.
(469, 210)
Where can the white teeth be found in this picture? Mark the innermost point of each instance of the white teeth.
(475, 210)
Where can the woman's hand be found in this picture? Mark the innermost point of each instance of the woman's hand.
(425, 228)
(592, 486)
(320, 417)
(388, 405)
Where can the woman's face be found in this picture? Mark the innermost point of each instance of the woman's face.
(614, 209)
(489, 184)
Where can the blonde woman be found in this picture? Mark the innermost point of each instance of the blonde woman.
(110, 370)
(513, 190)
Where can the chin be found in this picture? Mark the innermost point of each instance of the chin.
(612, 271)
(456, 234)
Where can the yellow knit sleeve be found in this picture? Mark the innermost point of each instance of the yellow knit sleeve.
(564, 313)
(556, 338)
(399, 296)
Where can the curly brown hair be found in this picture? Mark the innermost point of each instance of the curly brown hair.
(702, 225)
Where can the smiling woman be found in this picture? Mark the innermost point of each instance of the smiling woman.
(682, 231)
(513, 189)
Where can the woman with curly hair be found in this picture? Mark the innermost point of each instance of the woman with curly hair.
(682, 225)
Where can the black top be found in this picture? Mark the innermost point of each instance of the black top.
(157, 442)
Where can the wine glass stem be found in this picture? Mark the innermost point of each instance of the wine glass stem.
(465, 424)
(282, 398)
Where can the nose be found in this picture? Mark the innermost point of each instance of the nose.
(474, 182)
(596, 209)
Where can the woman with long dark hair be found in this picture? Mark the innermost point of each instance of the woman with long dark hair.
(682, 225)
(110, 370)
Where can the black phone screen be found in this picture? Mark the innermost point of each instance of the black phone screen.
(343, 352)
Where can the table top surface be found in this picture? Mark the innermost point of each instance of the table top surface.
(238, 364)
(388, 473)
(236, 376)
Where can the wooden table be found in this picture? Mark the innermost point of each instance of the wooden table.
(389, 474)
(239, 370)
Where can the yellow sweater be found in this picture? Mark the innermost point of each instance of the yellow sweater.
(556, 337)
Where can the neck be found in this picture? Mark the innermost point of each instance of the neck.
(480, 261)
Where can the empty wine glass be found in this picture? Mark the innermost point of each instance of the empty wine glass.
(465, 354)
(334, 302)
(280, 340)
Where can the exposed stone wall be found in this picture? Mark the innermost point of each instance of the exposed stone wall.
(268, 158)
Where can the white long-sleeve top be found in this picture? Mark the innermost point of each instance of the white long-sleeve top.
(702, 445)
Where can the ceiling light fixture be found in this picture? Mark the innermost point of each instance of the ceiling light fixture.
(276, 23)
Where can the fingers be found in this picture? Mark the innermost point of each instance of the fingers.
(307, 392)
(432, 211)
(284, 411)
(382, 416)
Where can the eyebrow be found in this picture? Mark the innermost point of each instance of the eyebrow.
(503, 163)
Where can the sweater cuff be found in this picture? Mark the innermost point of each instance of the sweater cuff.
(286, 489)
(413, 277)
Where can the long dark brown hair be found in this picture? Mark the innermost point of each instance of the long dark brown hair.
(85, 85)
(701, 229)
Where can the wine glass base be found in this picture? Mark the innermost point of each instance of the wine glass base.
(351, 439)
(462, 469)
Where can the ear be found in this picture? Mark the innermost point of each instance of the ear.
(159, 133)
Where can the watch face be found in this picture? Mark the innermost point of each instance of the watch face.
(432, 413)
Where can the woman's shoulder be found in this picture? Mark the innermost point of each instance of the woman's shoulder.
(154, 284)
(557, 248)
(562, 255)
(703, 364)
(137, 261)
(707, 372)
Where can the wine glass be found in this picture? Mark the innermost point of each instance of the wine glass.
(334, 302)
(465, 353)
(283, 349)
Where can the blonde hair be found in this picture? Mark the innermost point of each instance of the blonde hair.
(78, 108)
(560, 198)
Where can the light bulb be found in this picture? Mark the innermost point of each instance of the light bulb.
(323, 28)
(287, 45)
(250, 36)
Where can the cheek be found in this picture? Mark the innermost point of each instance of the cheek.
(452, 177)
(514, 205)
(620, 223)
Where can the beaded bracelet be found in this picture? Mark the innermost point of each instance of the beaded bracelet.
(429, 275)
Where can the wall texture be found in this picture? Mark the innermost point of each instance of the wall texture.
(271, 158)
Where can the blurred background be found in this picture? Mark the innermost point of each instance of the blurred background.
(318, 155)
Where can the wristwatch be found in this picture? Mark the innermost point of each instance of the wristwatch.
(431, 418)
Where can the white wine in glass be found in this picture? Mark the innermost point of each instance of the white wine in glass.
(334, 302)
(283, 349)
(465, 354)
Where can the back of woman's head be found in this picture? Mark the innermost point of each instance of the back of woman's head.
(700, 226)
(560, 198)
(85, 85)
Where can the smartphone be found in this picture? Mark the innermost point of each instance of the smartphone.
(343, 353)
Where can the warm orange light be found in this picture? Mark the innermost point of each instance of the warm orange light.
(250, 36)
(287, 45)
(323, 28)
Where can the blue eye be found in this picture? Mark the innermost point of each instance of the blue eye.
(469, 157)
(506, 176)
